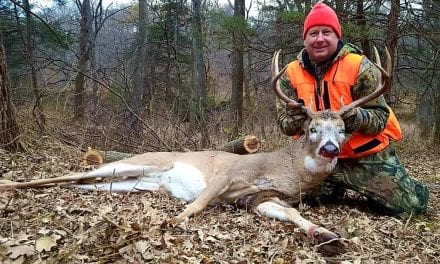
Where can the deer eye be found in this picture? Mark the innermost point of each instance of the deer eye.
(313, 130)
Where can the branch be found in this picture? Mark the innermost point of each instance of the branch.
(42, 21)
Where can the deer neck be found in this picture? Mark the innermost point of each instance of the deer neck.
(304, 159)
(316, 165)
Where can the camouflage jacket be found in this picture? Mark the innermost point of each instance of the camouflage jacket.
(374, 114)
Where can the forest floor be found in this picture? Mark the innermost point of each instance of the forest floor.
(60, 225)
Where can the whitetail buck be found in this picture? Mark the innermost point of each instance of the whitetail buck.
(268, 183)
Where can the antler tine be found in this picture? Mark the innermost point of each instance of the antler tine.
(381, 88)
(386, 72)
(276, 74)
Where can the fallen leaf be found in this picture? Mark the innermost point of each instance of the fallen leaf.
(23, 237)
(142, 246)
(22, 250)
(166, 240)
(45, 244)
(19, 260)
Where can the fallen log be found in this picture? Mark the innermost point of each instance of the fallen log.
(97, 157)
(245, 145)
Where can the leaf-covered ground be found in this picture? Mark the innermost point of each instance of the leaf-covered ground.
(59, 225)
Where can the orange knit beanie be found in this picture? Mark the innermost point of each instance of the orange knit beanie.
(322, 15)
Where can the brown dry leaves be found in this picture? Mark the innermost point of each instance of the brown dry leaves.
(57, 225)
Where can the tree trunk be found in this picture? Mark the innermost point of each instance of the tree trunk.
(84, 38)
(237, 70)
(137, 93)
(299, 7)
(339, 7)
(436, 134)
(391, 41)
(247, 79)
(97, 23)
(362, 23)
(9, 131)
(40, 119)
(198, 75)
(307, 6)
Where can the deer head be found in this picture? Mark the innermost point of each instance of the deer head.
(325, 130)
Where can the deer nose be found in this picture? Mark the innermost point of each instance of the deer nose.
(329, 150)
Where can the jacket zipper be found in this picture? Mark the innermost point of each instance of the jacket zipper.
(318, 95)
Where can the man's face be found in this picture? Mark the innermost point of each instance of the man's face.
(321, 43)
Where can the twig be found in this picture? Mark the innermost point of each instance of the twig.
(112, 222)
(408, 221)
(7, 204)
(331, 241)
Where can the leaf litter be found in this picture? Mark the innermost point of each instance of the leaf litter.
(62, 225)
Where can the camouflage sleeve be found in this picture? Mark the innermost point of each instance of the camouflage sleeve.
(374, 114)
(286, 122)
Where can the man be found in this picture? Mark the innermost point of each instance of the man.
(327, 70)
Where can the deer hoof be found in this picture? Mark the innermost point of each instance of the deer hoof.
(330, 243)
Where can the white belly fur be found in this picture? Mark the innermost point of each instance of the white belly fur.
(183, 181)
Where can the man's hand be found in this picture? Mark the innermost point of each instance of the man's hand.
(295, 119)
(353, 120)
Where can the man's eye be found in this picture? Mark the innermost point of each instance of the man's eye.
(313, 130)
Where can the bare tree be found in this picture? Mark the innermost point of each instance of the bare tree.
(84, 56)
(361, 21)
(198, 73)
(9, 131)
(29, 44)
(98, 22)
(429, 96)
(137, 92)
(392, 37)
(237, 69)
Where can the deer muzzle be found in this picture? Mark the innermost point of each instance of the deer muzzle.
(329, 150)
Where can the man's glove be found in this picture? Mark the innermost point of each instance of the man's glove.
(353, 120)
(293, 122)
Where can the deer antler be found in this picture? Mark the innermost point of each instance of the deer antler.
(381, 86)
(276, 75)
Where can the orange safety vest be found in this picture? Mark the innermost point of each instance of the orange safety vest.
(338, 83)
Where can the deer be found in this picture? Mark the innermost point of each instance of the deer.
(267, 183)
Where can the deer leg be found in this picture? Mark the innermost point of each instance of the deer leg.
(331, 243)
(213, 190)
(121, 170)
(135, 178)
(113, 170)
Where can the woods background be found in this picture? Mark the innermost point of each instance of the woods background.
(173, 75)
(178, 75)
